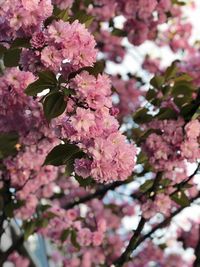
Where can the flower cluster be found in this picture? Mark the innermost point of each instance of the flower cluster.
(110, 157)
(177, 36)
(24, 115)
(88, 120)
(22, 18)
(154, 254)
(71, 42)
(18, 260)
(142, 17)
(163, 149)
(94, 230)
(189, 236)
(111, 46)
(169, 150)
(68, 220)
(161, 204)
(190, 148)
(58, 45)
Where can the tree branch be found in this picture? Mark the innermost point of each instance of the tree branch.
(125, 256)
(4, 255)
(133, 243)
(183, 183)
(99, 193)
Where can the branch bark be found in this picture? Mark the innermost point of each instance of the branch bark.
(99, 193)
(137, 233)
(132, 246)
(4, 255)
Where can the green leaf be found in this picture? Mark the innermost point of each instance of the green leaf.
(8, 142)
(187, 110)
(82, 17)
(151, 94)
(157, 81)
(70, 165)
(141, 158)
(60, 154)
(141, 116)
(171, 71)
(140, 136)
(166, 90)
(182, 101)
(64, 235)
(146, 186)
(2, 50)
(163, 246)
(87, 2)
(20, 43)
(196, 114)
(76, 6)
(61, 79)
(166, 113)
(37, 87)
(74, 239)
(68, 91)
(182, 92)
(182, 88)
(186, 186)
(47, 76)
(57, 15)
(41, 223)
(183, 77)
(29, 228)
(84, 182)
(177, 2)
(12, 57)
(47, 80)
(70, 162)
(165, 182)
(11, 206)
(61, 13)
(98, 68)
(181, 199)
(119, 32)
(54, 105)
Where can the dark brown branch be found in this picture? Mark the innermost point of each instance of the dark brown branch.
(183, 183)
(17, 245)
(4, 255)
(99, 193)
(5, 200)
(133, 243)
(125, 256)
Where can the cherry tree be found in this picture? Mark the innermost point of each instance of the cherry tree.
(98, 160)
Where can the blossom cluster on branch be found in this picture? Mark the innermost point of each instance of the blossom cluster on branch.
(84, 148)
